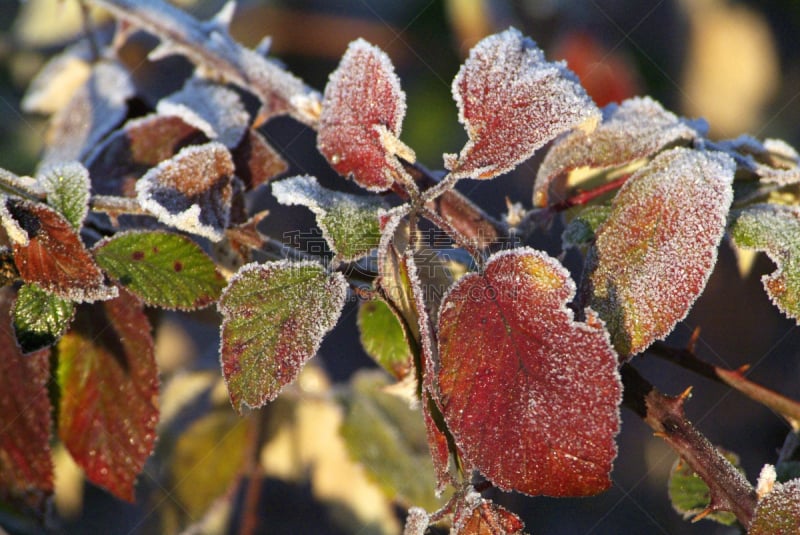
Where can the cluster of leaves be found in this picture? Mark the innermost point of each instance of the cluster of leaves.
(124, 209)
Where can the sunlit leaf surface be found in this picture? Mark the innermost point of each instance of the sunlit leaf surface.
(511, 102)
(384, 338)
(108, 378)
(349, 222)
(656, 250)
(362, 104)
(163, 269)
(26, 470)
(274, 318)
(529, 394)
(774, 229)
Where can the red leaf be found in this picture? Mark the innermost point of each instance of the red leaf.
(256, 160)
(109, 392)
(128, 153)
(512, 101)
(529, 394)
(476, 516)
(54, 257)
(655, 252)
(362, 103)
(26, 469)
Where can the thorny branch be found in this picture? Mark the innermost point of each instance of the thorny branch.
(730, 491)
(686, 358)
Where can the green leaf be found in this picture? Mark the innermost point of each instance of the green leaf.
(274, 318)
(384, 338)
(690, 495)
(206, 460)
(580, 232)
(40, 318)
(653, 255)
(389, 439)
(349, 223)
(108, 378)
(775, 230)
(164, 269)
(67, 186)
(778, 513)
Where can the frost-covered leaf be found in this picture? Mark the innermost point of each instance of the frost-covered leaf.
(656, 250)
(26, 469)
(774, 229)
(530, 395)
(39, 318)
(191, 191)
(349, 222)
(689, 494)
(511, 102)
(54, 258)
(67, 187)
(477, 516)
(636, 129)
(389, 440)
(778, 513)
(256, 160)
(773, 162)
(274, 318)
(108, 378)
(362, 107)
(165, 270)
(384, 338)
(132, 150)
(92, 112)
(214, 109)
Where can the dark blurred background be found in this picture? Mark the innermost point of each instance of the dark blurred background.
(737, 64)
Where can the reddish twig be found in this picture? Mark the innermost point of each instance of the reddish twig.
(686, 358)
(729, 490)
(584, 197)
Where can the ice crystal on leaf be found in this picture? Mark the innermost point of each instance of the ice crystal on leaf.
(774, 229)
(511, 102)
(655, 252)
(274, 318)
(778, 513)
(53, 256)
(191, 191)
(26, 471)
(213, 109)
(530, 395)
(349, 222)
(108, 378)
(362, 105)
(636, 129)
